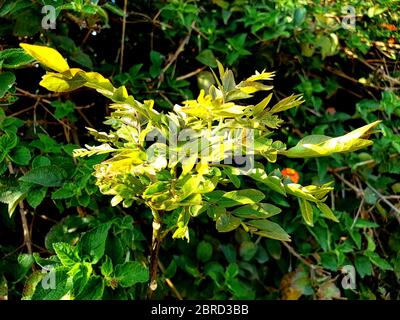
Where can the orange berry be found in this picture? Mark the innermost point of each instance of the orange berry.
(291, 174)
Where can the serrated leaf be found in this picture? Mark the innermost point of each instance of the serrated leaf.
(21, 156)
(7, 80)
(130, 273)
(63, 286)
(14, 58)
(47, 176)
(63, 193)
(66, 253)
(107, 267)
(12, 195)
(36, 196)
(93, 242)
(93, 290)
(363, 266)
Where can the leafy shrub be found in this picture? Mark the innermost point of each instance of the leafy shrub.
(348, 77)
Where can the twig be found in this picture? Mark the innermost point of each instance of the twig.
(155, 247)
(358, 214)
(190, 74)
(352, 186)
(294, 253)
(121, 62)
(25, 226)
(175, 56)
(169, 282)
(384, 199)
(361, 164)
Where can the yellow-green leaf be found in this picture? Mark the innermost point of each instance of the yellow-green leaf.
(47, 56)
(319, 145)
(326, 211)
(60, 83)
(306, 211)
(269, 229)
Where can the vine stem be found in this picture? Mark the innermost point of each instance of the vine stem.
(22, 211)
(155, 248)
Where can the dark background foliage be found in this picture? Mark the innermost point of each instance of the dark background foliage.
(349, 77)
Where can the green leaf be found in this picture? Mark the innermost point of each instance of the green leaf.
(362, 223)
(93, 290)
(204, 251)
(80, 274)
(47, 176)
(299, 16)
(300, 192)
(246, 196)
(269, 229)
(363, 266)
(274, 249)
(232, 177)
(107, 267)
(130, 273)
(93, 242)
(326, 211)
(63, 286)
(12, 195)
(272, 181)
(207, 57)
(14, 58)
(40, 161)
(63, 109)
(378, 261)
(65, 192)
(247, 250)
(66, 253)
(306, 211)
(257, 211)
(114, 9)
(227, 222)
(7, 80)
(21, 156)
(370, 196)
(36, 196)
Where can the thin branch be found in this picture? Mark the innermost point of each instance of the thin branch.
(155, 247)
(384, 199)
(25, 225)
(190, 74)
(175, 56)
(170, 283)
(121, 62)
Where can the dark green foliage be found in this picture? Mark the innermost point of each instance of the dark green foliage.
(348, 78)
